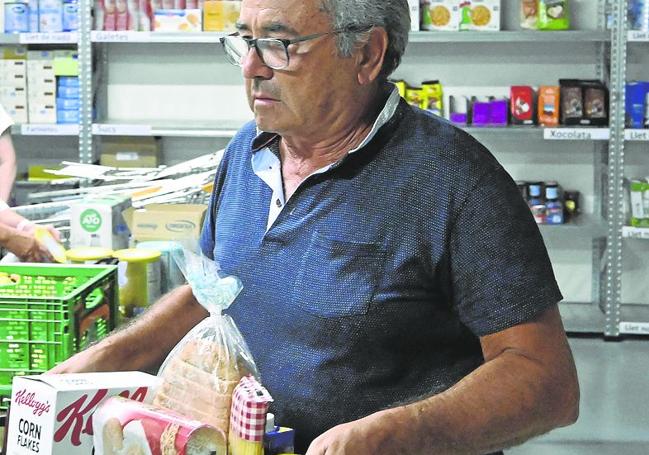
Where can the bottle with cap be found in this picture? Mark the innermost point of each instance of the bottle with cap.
(138, 274)
(553, 205)
(277, 440)
(536, 203)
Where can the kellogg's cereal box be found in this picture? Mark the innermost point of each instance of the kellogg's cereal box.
(52, 414)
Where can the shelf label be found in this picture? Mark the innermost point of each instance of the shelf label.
(576, 134)
(49, 130)
(110, 129)
(632, 232)
(111, 37)
(638, 35)
(634, 328)
(636, 135)
(48, 38)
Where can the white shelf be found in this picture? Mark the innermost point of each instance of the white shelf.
(550, 134)
(225, 129)
(415, 37)
(39, 38)
(155, 37)
(567, 37)
(637, 135)
(632, 232)
(584, 226)
(638, 36)
(38, 129)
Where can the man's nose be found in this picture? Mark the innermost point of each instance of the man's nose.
(254, 67)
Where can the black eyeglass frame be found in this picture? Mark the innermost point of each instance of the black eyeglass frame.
(252, 42)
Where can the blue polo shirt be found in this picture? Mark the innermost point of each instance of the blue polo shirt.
(372, 283)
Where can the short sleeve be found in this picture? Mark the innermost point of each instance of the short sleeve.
(5, 120)
(500, 270)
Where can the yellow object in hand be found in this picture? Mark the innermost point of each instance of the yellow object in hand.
(55, 248)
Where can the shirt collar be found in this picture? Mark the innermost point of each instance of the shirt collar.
(265, 139)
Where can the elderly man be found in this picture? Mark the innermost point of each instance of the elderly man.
(398, 298)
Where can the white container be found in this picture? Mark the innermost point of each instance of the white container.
(138, 276)
(171, 276)
(16, 17)
(51, 415)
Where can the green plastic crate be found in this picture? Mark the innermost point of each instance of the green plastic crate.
(54, 311)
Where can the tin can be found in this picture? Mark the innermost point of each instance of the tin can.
(16, 17)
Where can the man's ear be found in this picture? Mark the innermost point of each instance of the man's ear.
(371, 56)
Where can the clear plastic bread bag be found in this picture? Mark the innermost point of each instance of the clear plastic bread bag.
(199, 375)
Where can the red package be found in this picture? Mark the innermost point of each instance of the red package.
(127, 426)
(521, 104)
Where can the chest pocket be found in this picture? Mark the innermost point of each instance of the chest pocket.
(338, 278)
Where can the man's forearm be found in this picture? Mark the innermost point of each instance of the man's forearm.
(503, 403)
(143, 344)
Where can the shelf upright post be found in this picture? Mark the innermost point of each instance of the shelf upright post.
(615, 196)
(85, 82)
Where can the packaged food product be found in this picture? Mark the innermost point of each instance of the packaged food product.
(638, 15)
(548, 105)
(220, 16)
(440, 15)
(484, 15)
(250, 403)
(595, 103)
(432, 91)
(458, 110)
(553, 15)
(416, 97)
(123, 426)
(201, 372)
(572, 103)
(635, 103)
(521, 104)
(177, 20)
(529, 14)
(52, 414)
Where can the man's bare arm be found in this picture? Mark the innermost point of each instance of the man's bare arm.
(143, 344)
(527, 386)
(7, 166)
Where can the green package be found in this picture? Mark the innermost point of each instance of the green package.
(553, 15)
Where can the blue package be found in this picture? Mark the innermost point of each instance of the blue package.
(16, 17)
(67, 116)
(68, 81)
(33, 15)
(638, 15)
(70, 15)
(68, 92)
(68, 103)
(636, 94)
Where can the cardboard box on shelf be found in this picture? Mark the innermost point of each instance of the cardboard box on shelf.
(41, 96)
(13, 66)
(166, 221)
(484, 15)
(440, 15)
(13, 96)
(42, 112)
(177, 20)
(98, 221)
(220, 16)
(129, 152)
(9, 79)
(12, 51)
(66, 63)
(18, 112)
(53, 414)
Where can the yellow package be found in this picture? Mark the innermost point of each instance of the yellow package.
(220, 16)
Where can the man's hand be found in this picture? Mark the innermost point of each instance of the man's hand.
(27, 248)
(366, 435)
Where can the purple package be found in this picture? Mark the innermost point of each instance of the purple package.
(499, 112)
(459, 118)
(481, 113)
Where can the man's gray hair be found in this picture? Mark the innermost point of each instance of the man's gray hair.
(392, 15)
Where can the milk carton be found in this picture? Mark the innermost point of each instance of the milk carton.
(98, 221)
(52, 414)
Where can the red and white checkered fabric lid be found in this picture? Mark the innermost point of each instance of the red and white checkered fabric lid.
(250, 402)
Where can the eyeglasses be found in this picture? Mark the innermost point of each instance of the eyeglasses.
(273, 52)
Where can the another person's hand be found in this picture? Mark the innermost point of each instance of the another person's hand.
(366, 435)
(27, 248)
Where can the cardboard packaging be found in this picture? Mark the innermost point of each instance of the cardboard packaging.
(98, 221)
(166, 221)
(177, 20)
(440, 15)
(52, 414)
(42, 112)
(415, 16)
(129, 152)
(481, 15)
(220, 16)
